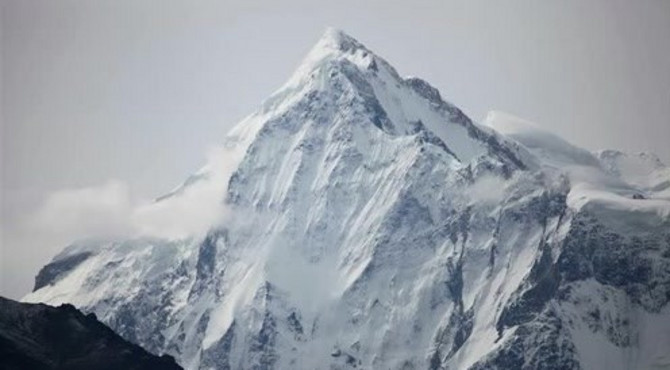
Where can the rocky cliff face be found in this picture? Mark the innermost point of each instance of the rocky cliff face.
(371, 224)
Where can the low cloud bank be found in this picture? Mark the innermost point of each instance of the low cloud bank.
(108, 210)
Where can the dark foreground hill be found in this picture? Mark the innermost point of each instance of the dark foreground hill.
(37, 336)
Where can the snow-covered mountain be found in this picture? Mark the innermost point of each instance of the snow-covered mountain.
(367, 223)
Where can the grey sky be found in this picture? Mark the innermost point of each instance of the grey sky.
(136, 91)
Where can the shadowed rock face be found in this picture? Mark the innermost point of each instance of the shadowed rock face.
(54, 270)
(37, 336)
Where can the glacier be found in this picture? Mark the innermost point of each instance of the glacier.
(368, 223)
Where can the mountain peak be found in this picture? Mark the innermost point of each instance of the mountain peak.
(335, 46)
(337, 39)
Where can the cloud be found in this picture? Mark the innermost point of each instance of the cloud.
(487, 189)
(91, 211)
(108, 210)
(192, 208)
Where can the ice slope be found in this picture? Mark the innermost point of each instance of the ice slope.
(644, 171)
(370, 224)
(610, 183)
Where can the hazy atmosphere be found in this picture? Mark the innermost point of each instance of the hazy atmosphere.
(109, 104)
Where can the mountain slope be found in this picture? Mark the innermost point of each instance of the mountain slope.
(369, 223)
(36, 336)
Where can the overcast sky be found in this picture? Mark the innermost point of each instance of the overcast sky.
(111, 102)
